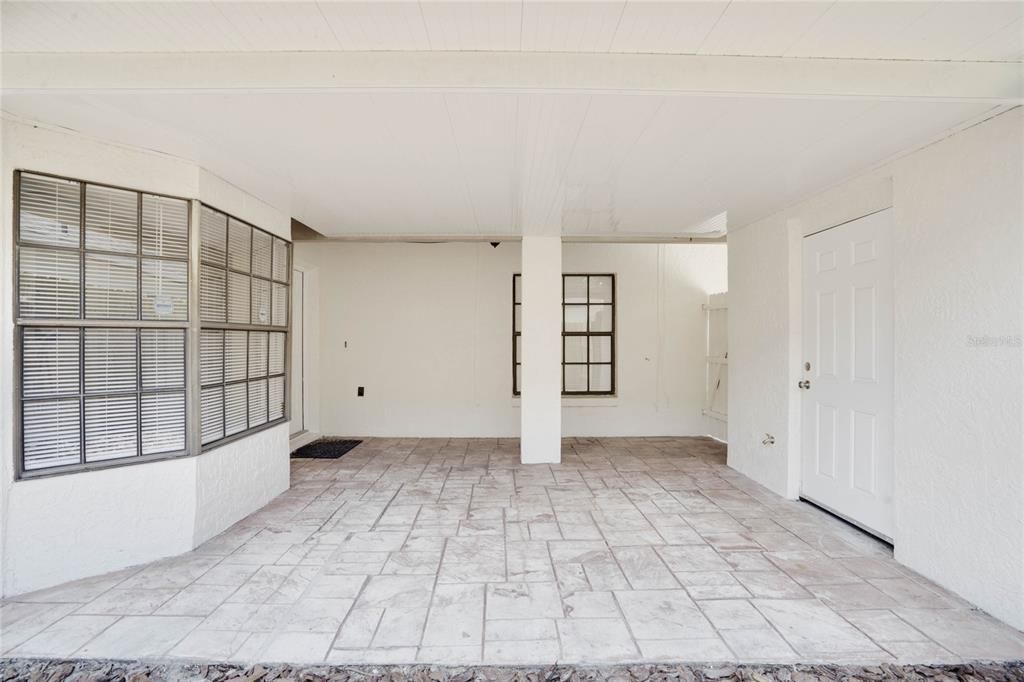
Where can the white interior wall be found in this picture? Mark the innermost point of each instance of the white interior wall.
(107, 519)
(427, 329)
(959, 422)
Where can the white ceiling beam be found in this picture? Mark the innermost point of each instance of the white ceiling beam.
(995, 82)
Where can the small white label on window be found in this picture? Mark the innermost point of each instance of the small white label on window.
(163, 305)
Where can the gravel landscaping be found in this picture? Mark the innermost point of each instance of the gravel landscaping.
(35, 670)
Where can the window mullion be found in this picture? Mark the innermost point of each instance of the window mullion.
(81, 332)
(193, 394)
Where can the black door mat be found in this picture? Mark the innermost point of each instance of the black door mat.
(325, 448)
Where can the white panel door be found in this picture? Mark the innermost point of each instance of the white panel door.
(298, 423)
(847, 380)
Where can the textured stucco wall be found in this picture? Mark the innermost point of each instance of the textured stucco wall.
(428, 329)
(959, 424)
(70, 526)
(759, 338)
(959, 314)
(236, 479)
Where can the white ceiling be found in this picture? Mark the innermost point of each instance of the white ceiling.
(946, 30)
(487, 164)
(415, 161)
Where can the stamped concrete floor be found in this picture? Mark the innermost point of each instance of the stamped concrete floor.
(450, 551)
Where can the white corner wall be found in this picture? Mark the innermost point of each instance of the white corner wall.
(236, 479)
(71, 526)
(427, 330)
(959, 365)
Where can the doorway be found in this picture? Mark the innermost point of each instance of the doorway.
(847, 378)
(298, 420)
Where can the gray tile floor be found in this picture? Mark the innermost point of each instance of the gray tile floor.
(451, 551)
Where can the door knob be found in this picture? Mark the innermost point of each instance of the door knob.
(804, 384)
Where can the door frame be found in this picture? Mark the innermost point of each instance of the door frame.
(308, 351)
(829, 209)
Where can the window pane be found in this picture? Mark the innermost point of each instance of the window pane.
(601, 289)
(238, 298)
(575, 318)
(51, 434)
(260, 301)
(111, 428)
(277, 344)
(575, 290)
(275, 399)
(257, 403)
(211, 357)
(239, 245)
(50, 360)
(262, 243)
(280, 305)
(212, 414)
(236, 351)
(280, 260)
(600, 349)
(163, 358)
(212, 294)
(164, 227)
(519, 348)
(517, 315)
(575, 348)
(517, 288)
(257, 354)
(164, 290)
(516, 377)
(235, 402)
(575, 378)
(600, 377)
(600, 318)
(163, 423)
(111, 219)
(49, 211)
(111, 361)
(49, 283)
(213, 240)
(111, 287)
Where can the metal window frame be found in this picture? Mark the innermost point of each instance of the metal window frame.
(82, 323)
(516, 363)
(244, 327)
(191, 326)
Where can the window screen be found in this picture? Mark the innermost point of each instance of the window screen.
(102, 289)
(588, 334)
(244, 297)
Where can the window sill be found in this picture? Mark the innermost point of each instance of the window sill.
(581, 401)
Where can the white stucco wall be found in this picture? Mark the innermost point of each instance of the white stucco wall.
(70, 526)
(236, 479)
(959, 423)
(428, 329)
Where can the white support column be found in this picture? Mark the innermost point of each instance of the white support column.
(541, 389)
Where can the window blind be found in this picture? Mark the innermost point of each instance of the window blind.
(89, 254)
(244, 297)
(102, 311)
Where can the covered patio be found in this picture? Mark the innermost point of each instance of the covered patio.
(452, 551)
